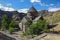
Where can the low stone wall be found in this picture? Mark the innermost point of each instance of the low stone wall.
(5, 37)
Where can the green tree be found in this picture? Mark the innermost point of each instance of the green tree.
(12, 26)
(28, 23)
(4, 22)
(27, 32)
(8, 24)
(10, 30)
(37, 28)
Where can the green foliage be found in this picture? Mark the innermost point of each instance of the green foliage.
(11, 30)
(34, 28)
(37, 28)
(4, 22)
(27, 23)
(7, 24)
(12, 24)
(27, 32)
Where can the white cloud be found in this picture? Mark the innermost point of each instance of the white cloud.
(32, 1)
(53, 9)
(51, 4)
(9, 4)
(6, 8)
(1, 6)
(23, 10)
(43, 4)
(40, 3)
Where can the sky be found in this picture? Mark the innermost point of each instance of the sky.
(25, 5)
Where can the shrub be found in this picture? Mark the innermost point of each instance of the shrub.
(28, 23)
(27, 32)
(4, 22)
(37, 28)
(11, 30)
(12, 24)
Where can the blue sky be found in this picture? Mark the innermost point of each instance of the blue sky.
(24, 5)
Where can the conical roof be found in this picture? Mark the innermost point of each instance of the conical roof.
(32, 9)
(33, 12)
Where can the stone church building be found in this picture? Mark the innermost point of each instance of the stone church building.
(31, 16)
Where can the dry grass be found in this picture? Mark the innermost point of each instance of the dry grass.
(56, 28)
(51, 37)
(55, 18)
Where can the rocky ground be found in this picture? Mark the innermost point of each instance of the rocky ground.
(49, 36)
(6, 36)
(53, 36)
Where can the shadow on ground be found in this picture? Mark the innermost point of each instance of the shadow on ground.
(51, 26)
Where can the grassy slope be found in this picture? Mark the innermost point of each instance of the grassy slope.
(51, 37)
(55, 18)
(56, 28)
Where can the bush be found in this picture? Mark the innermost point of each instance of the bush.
(27, 32)
(4, 22)
(11, 26)
(37, 28)
(28, 23)
(11, 30)
(7, 24)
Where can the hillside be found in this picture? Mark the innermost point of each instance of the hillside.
(56, 28)
(43, 12)
(53, 17)
(51, 37)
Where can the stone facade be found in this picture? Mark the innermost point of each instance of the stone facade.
(32, 16)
